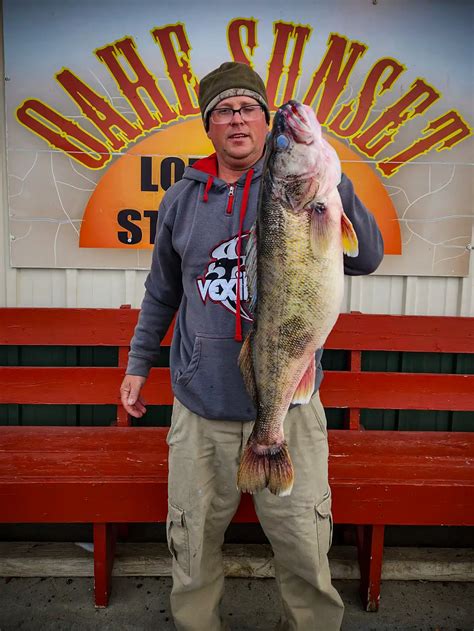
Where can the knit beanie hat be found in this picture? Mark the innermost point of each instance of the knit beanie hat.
(231, 79)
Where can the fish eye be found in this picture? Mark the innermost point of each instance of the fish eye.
(282, 141)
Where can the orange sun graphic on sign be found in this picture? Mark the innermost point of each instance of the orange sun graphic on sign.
(123, 209)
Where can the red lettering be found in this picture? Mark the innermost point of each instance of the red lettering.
(449, 130)
(235, 42)
(63, 134)
(277, 68)
(178, 67)
(143, 81)
(333, 74)
(394, 117)
(367, 96)
(108, 121)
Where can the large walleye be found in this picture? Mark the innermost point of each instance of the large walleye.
(295, 276)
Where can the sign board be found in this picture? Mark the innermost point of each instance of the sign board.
(102, 117)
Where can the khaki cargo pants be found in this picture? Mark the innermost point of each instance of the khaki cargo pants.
(203, 497)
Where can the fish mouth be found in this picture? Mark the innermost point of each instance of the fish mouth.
(295, 118)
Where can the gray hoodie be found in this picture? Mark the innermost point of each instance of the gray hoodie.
(193, 272)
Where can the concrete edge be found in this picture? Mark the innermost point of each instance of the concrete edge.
(28, 559)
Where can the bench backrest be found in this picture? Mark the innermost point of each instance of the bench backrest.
(352, 389)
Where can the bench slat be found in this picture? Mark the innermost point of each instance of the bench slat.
(398, 391)
(415, 444)
(97, 453)
(353, 331)
(124, 502)
(85, 488)
(403, 504)
(77, 386)
(77, 466)
(436, 334)
(68, 327)
(371, 390)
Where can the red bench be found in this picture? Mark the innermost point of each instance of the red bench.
(117, 475)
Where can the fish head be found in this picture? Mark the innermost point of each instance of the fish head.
(303, 166)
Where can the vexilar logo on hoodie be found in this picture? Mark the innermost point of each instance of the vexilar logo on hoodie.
(219, 282)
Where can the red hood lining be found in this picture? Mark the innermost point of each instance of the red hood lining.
(207, 165)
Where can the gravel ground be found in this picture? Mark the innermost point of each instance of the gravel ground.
(141, 604)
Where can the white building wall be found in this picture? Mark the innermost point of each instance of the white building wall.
(112, 288)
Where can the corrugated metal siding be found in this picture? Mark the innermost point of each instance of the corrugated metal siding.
(112, 288)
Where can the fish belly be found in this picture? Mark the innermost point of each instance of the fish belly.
(299, 299)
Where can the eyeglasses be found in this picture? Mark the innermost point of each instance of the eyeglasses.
(224, 115)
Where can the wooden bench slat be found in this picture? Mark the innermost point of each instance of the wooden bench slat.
(78, 467)
(68, 327)
(77, 386)
(341, 389)
(398, 391)
(114, 327)
(377, 504)
(437, 334)
(145, 439)
(402, 504)
(96, 439)
(123, 502)
(416, 443)
(98, 452)
(364, 491)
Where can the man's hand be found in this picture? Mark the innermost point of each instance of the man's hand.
(130, 395)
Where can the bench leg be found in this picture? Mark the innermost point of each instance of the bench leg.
(104, 550)
(370, 548)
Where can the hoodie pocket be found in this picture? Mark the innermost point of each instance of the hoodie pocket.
(184, 377)
(212, 384)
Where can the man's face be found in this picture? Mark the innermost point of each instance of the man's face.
(238, 144)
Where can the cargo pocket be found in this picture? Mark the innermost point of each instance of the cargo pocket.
(178, 537)
(319, 413)
(324, 526)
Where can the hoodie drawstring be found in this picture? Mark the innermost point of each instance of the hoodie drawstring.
(205, 197)
(243, 211)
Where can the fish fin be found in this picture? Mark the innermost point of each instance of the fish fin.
(319, 227)
(262, 467)
(251, 269)
(246, 367)
(305, 388)
(350, 243)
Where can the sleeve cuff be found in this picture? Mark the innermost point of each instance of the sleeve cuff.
(138, 366)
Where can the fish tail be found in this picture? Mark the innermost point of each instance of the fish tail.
(263, 466)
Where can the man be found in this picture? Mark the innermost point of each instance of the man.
(193, 273)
